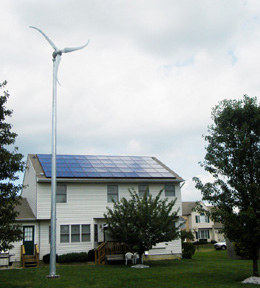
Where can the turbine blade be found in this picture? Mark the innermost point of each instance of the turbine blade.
(67, 50)
(46, 37)
(57, 63)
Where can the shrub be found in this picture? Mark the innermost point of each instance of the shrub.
(91, 255)
(46, 258)
(201, 242)
(188, 250)
(186, 255)
(213, 241)
(73, 257)
(186, 235)
(241, 250)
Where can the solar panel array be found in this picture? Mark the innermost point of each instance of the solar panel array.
(89, 166)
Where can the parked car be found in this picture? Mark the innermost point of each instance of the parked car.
(220, 245)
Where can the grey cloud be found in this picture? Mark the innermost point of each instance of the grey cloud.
(166, 28)
(144, 85)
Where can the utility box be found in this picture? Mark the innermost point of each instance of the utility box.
(4, 258)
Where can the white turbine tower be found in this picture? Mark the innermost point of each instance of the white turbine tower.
(56, 61)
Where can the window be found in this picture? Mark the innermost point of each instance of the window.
(75, 233)
(61, 193)
(64, 234)
(142, 188)
(107, 234)
(202, 234)
(28, 233)
(169, 190)
(202, 218)
(85, 233)
(112, 193)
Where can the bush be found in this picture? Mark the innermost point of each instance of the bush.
(91, 255)
(186, 255)
(213, 241)
(201, 242)
(46, 258)
(73, 257)
(241, 250)
(188, 250)
(186, 235)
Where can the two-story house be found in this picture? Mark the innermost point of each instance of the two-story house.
(200, 225)
(86, 185)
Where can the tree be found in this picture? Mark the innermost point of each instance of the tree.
(186, 235)
(233, 159)
(142, 222)
(10, 163)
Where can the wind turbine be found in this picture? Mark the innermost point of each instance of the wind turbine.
(56, 58)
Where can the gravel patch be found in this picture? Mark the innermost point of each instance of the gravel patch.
(140, 266)
(252, 280)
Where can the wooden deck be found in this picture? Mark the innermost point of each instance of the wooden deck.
(109, 251)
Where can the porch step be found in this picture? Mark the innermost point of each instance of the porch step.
(30, 261)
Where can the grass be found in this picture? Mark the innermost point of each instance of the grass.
(204, 247)
(206, 269)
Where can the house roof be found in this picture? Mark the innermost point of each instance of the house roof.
(25, 211)
(102, 167)
(187, 207)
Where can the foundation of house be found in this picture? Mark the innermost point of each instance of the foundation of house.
(162, 257)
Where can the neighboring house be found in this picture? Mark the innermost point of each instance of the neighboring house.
(86, 185)
(200, 225)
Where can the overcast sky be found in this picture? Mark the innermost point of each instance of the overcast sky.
(146, 83)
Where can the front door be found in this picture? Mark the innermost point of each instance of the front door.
(28, 239)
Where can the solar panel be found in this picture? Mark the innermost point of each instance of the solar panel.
(91, 166)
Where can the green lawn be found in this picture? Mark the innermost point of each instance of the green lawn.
(206, 269)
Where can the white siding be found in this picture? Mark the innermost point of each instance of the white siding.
(173, 247)
(44, 201)
(86, 202)
(30, 187)
(44, 245)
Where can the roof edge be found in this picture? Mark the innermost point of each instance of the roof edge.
(109, 180)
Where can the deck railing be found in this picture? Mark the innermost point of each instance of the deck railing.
(30, 260)
(100, 253)
(108, 248)
(23, 256)
(37, 252)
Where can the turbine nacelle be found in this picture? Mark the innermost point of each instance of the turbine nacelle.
(57, 51)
